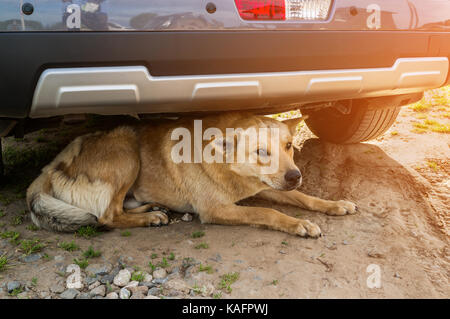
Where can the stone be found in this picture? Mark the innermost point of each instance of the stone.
(137, 296)
(345, 242)
(31, 258)
(159, 281)
(84, 295)
(147, 277)
(23, 295)
(98, 291)
(107, 278)
(90, 280)
(187, 217)
(94, 285)
(57, 288)
(375, 254)
(143, 290)
(148, 284)
(153, 291)
(11, 285)
(176, 284)
(133, 283)
(160, 273)
(98, 269)
(112, 295)
(124, 260)
(69, 294)
(124, 293)
(151, 297)
(122, 278)
(59, 258)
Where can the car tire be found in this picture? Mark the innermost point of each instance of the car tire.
(361, 124)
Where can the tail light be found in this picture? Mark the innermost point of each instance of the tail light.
(283, 9)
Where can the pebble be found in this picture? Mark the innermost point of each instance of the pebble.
(124, 260)
(139, 290)
(11, 285)
(332, 246)
(159, 281)
(187, 217)
(396, 275)
(69, 294)
(31, 258)
(57, 288)
(148, 284)
(176, 284)
(112, 295)
(153, 291)
(98, 269)
(107, 279)
(99, 291)
(147, 277)
(84, 295)
(122, 278)
(94, 285)
(160, 273)
(151, 297)
(59, 258)
(124, 293)
(345, 242)
(132, 284)
(90, 280)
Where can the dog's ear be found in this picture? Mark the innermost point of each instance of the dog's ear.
(293, 123)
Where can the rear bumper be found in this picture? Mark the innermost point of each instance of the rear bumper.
(132, 89)
(207, 69)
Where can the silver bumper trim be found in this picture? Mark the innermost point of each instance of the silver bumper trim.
(132, 89)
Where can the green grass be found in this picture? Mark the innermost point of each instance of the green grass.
(3, 262)
(87, 232)
(152, 266)
(32, 227)
(208, 269)
(125, 233)
(153, 256)
(275, 282)
(171, 256)
(18, 220)
(34, 281)
(82, 263)
(202, 246)
(91, 253)
(69, 246)
(284, 243)
(198, 234)
(16, 292)
(2, 213)
(12, 236)
(217, 295)
(30, 246)
(227, 280)
(164, 263)
(137, 276)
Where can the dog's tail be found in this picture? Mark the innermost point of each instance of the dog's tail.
(51, 213)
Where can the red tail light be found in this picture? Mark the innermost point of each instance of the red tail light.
(261, 9)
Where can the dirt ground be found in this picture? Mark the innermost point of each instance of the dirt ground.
(400, 183)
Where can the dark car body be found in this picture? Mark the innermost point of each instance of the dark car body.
(175, 56)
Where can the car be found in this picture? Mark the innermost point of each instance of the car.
(348, 65)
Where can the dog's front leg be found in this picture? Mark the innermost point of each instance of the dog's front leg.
(259, 216)
(296, 198)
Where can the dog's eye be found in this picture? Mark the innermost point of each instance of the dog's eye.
(262, 152)
(288, 146)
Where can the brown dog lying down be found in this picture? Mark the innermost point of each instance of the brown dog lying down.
(87, 183)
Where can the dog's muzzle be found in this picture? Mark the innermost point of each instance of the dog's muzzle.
(293, 179)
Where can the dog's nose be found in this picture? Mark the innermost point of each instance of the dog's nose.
(292, 176)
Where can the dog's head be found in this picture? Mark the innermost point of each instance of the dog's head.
(269, 153)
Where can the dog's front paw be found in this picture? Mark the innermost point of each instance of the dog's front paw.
(157, 218)
(342, 207)
(307, 229)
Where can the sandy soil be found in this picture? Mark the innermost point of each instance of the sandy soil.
(402, 226)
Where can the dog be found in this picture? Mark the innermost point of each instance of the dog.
(89, 181)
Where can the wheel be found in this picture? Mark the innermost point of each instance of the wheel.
(361, 124)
